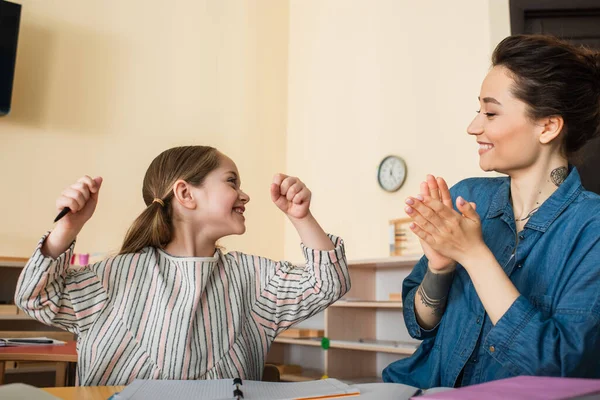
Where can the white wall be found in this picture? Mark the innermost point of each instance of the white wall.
(371, 78)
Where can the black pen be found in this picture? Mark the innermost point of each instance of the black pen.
(44, 341)
(61, 214)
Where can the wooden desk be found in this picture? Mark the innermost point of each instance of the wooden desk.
(64, 355)
(84, 392)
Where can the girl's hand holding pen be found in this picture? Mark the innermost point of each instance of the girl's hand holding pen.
(81, 198)
(451, 234)
(291, 196)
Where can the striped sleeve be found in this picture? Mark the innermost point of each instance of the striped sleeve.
(54, 294)
(289, 294)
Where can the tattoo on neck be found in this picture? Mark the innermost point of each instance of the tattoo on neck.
(558, 175)
(434, 291)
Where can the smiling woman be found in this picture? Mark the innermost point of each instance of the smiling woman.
(510, 283)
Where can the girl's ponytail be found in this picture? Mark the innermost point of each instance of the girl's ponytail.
(154, 226)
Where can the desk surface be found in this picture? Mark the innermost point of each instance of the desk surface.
(66, 352)
(84, 392)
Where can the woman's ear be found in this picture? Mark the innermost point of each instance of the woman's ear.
(183, 194)
(552, 127)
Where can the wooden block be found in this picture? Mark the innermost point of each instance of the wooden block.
(395, 297)
(298, 333)
(8, 309)
(289, 369)
(402, 241)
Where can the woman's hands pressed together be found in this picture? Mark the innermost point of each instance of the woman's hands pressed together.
(446, 235)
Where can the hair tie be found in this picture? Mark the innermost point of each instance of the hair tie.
(159, 201)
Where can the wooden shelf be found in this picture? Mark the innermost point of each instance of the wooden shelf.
(368, 304)
(406, 349)
(13, 262)
(382, 263)
(15, 317)
(386, 263)
(302, 342)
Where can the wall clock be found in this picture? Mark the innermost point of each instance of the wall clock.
(391, 173)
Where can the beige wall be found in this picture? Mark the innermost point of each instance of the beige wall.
(371, 78)
(322, 89)
(102, 87)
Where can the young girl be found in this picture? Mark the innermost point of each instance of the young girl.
(171, 305)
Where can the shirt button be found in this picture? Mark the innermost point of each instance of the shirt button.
(492, 349)
(519, 266)
(478, 320)
(475, 360)
(521, 236)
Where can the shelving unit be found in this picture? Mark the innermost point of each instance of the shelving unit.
(365, 329)
(13, 262)
(302, 342)
(406, 348)
(14, 323)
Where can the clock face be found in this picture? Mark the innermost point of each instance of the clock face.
(391, 173)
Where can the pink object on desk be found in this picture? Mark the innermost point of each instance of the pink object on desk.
(83, 259)
(522, 388)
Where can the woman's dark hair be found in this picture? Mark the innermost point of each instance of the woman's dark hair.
(154, 227)
(555, 78)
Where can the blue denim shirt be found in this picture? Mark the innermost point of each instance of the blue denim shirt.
(552, 329)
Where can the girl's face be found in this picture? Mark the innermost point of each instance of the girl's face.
(508, 139)
(221, 202)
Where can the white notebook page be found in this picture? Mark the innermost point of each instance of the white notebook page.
(222, 389)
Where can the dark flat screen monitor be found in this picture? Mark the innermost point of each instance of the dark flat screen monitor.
(10, 18)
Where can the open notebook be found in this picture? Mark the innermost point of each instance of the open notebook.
(226, 389)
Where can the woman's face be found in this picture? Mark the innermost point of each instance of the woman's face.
(508, 139)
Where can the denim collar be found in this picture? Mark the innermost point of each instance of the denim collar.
(550, 209)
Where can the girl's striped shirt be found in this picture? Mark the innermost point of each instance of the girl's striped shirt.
(150, 315)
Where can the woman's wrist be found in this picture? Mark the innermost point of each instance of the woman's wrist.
(478, 256)
(442, 269)
(433, 292)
